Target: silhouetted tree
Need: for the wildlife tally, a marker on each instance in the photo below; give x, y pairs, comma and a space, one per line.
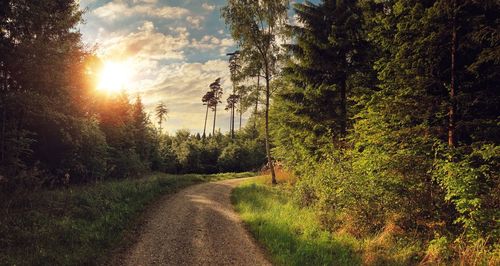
161, 112
207, 99
235, 71
216, 89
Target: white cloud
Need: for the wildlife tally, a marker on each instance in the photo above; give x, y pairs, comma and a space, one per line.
195, 21
208, 6
113, 10
145, 1
208, 42
146, 43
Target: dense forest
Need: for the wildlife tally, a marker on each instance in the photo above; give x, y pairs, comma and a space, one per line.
387, 112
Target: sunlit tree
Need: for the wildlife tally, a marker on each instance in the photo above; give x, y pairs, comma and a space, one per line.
232, 100
256, 25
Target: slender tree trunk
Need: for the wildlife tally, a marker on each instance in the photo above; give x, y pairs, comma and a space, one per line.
205, 126
452, 107
268, 146
215, 116
256, 102
241, 114
231, 122
343, 107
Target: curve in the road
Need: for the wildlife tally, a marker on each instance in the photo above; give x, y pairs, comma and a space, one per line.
196, 226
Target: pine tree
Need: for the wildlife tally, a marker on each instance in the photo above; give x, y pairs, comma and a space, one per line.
207, 100
325, 62
161, 112
216, 90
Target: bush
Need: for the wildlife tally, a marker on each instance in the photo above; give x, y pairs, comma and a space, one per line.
472, 184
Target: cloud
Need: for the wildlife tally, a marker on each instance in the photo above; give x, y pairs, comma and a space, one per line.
145, 1
208, 6
114, 10
147, 43
195, 21
211, 42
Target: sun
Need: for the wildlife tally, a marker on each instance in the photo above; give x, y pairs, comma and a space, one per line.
114, 76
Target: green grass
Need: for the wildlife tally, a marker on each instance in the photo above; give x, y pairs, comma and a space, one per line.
290, 234
81, 225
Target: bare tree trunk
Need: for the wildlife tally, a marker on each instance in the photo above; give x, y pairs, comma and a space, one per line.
241, 113
215, 116
205, 126
452, 107
268, 146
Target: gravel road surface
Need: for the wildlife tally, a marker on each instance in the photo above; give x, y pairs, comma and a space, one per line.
196, 226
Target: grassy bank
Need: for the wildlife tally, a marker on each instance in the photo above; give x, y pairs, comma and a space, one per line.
294, 236
80, 225
290, 234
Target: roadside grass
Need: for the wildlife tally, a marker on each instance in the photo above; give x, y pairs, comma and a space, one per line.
293, 235
290, 234
82, 224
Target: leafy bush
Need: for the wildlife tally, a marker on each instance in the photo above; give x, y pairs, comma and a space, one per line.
472, 185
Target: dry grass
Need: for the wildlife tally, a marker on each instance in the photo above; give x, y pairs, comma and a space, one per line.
384, 248
283, 176
477, 253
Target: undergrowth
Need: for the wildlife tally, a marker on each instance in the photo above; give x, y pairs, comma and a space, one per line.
294, 235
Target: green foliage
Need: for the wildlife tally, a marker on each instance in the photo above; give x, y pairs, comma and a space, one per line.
472, 185
219, 153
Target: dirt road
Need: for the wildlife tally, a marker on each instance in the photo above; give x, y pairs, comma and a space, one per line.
196, 226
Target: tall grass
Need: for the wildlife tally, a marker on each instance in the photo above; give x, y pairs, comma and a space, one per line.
290, 234
80, 225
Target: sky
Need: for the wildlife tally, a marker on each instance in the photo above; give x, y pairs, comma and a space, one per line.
176, 48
